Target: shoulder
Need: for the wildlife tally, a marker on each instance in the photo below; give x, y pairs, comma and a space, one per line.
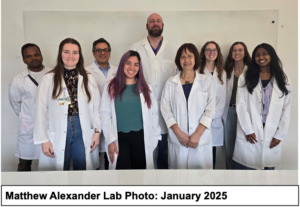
89, 67
137, 44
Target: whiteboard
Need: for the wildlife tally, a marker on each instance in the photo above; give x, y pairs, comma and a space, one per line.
121, 29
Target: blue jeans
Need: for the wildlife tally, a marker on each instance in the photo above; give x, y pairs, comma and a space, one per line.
75, 149
239, 166
162, 158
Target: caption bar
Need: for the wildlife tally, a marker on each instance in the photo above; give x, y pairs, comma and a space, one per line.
149, 195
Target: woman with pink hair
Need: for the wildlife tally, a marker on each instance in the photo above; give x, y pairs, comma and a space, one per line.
130, 117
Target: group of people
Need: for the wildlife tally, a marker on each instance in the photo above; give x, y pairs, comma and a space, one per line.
161, 108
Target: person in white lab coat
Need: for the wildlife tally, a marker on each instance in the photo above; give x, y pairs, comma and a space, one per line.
129, 116
103, 72
237, 61
22, 93
188, 106
157, 55
263, 106
67, 120
211, 64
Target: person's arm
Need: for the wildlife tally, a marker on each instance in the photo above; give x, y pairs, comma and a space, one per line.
242, 111
14, 95
284, 122
206, 118
96, 98
155, 117
107, 124
165, 106
40, 135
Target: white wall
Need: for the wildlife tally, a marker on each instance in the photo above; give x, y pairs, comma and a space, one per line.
13, 37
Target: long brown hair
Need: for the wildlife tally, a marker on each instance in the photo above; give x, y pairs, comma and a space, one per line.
58, 70
218, 60
229, 64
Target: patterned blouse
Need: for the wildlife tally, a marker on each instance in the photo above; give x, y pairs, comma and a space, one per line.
71, 80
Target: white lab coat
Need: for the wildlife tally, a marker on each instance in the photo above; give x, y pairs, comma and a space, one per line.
229, 87
152, 131
51, 122
249, 108
217, 128
101, 81
157, 68
22, 93
200, 108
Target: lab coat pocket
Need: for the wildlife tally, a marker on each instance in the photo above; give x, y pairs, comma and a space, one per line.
274, 115
51, 136
25, 130
167, 65
205, 137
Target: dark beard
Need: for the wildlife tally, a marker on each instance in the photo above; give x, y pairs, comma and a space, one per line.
155, 33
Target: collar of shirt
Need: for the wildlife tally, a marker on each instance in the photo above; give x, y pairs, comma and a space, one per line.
158, 47
105, 72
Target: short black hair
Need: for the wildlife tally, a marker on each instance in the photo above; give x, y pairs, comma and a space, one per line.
192, 48
100, 41
24, 47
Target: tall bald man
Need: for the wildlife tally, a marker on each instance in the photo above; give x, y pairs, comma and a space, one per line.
158, 60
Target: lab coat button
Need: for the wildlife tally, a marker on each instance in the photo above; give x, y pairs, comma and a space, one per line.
64, 131
63, 150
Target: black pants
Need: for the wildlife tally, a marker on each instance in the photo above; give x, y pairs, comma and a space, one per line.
131, 150
24, 165
214, 157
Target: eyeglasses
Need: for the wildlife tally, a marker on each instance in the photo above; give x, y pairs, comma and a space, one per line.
209, 50
102, 50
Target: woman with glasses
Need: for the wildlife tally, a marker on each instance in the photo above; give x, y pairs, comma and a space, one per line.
236, 63
129, 115
263, 106
67, 119
187, 106
211, 65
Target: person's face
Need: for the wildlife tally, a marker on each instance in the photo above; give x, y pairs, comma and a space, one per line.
211, 52
102, 53
238, 52
32, 57
187, 60
262, 57
70, 55
131, 67
155, 25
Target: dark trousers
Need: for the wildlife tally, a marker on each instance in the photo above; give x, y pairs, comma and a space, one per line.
24, 165
214, 157
239, 166
106, 163
162, 158
131, 150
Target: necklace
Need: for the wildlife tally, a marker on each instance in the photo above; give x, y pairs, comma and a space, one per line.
188, 81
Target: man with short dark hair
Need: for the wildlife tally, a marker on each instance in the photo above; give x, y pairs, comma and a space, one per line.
103, 72
22, 93
157, 56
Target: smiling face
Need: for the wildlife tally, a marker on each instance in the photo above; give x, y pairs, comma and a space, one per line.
155, 25
131, 67
211, 52
262, 57
102, 53
238, 53
187, 60
70, 55
32, 58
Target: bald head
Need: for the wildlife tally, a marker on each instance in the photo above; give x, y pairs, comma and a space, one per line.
155, 25
155, 17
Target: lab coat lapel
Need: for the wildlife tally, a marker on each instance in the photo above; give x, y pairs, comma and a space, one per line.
162, 47
178, 87
97, 70
148, 47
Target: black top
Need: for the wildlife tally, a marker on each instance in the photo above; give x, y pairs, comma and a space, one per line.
187, 89
71, 80
265, 83
234, 90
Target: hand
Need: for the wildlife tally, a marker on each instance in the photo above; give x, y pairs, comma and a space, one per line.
112, 149
251, 138
194, 140
95, 141
182, 137
274, 142
48, 149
